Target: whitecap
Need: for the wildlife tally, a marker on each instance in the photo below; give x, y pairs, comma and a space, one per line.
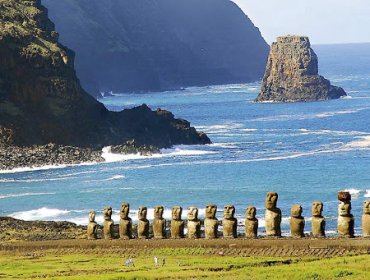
367, 194
362, 142
12, 195
353, 192
43, 213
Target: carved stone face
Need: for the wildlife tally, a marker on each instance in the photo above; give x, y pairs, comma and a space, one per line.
142, 213
344, 208
271, 200
108, 213
125, 210
296, 211
158, 212
229, 211
211, 211
176, 213
367, 207
250, 213
92, 216
192, 213
317, 208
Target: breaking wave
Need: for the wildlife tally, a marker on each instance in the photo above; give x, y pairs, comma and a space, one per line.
12, 195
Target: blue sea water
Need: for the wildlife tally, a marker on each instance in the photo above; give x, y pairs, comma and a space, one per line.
304, 151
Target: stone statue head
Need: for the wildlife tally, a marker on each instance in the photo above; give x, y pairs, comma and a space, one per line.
344, 196
367, 207
142, 213
250, 213
317, 208
125, 210
158, 212
296, 211
211, 210
344, 209
107, 213
176, 213
192, 213
229, 211
92, 216
271, 200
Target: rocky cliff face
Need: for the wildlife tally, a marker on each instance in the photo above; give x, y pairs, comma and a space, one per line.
292, 74
150, 45
41, 100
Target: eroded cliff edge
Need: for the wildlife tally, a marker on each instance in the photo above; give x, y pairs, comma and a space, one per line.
292, 74
154, 45
42, 101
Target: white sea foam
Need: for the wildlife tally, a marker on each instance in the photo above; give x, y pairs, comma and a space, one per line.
221, 128
354, 192
12, 195
334, 113
367, 194
44, 167
112, 178
39, 214
361, 142
35, 180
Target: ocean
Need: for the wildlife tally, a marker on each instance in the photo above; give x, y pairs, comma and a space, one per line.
304, 151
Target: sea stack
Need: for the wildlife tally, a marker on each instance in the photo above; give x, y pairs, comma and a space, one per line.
292, 74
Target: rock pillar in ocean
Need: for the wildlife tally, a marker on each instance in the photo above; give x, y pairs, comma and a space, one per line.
292, 74
125, 225
296, 221
108, 223
211, 222
229, 222
177, 224
92, 227
318, 221
193, 223
366, 219
272, 215
143, 224
251, 222
346, 221
159, 224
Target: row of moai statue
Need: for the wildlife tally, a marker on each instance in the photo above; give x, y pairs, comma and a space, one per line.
229, 223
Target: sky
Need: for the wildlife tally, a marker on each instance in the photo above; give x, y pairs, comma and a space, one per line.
324, 21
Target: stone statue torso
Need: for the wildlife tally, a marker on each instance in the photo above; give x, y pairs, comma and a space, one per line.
92, 230
177, 229
194, 229
108, 229
273, 221
251, 228
143, 229
159, 228
125, 228
229, 228
210, 228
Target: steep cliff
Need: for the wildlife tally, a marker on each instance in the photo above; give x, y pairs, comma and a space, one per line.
141, 45
292, 74
41, 99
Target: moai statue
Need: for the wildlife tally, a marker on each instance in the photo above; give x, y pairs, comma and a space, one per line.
143, 224
159, 224
296, 221
318, 221
211, 222
272, 215
346, 221
251, 222
193, 223
92, 227
125, 225
229, 223
366, 219
108, 223
177, 225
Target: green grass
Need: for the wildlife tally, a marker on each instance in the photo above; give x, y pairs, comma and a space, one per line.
194, 264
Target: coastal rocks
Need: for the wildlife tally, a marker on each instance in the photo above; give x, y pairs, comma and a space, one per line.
318, 221
366, 219
211, 222
92, 227
193, 223
125, 225
229, 223
297, 221
143, 225
42, 101
292, 74
346, 221
272, 215
108, 223
251, 222
177, 224
159, 224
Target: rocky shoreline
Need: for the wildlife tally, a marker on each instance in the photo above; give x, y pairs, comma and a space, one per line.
12, 157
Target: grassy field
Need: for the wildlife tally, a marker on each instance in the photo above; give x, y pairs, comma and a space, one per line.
186, 263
